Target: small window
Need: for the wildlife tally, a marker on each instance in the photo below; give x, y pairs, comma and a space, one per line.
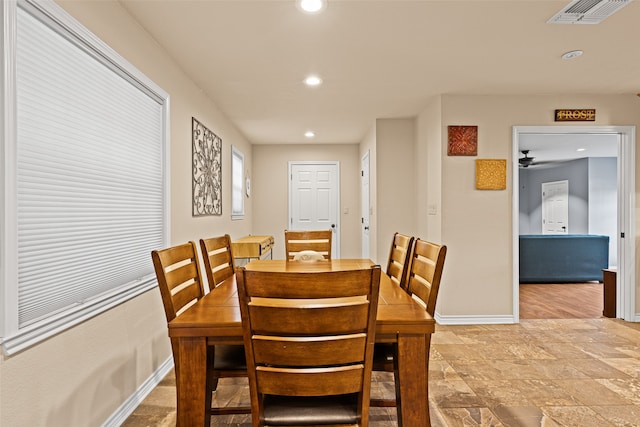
237, 184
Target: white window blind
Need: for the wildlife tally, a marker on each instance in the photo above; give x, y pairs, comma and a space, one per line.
90, 177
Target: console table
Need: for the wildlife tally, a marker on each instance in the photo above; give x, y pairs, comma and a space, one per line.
252, 247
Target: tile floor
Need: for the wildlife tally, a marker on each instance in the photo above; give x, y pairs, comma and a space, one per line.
547, 373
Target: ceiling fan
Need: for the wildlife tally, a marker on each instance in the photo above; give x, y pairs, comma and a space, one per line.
525, 161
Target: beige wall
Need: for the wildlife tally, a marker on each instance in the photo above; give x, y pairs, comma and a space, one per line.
396, 199
270, 187
428, 175
477, 225
81, 376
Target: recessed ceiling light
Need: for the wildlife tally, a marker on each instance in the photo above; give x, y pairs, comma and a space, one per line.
309, 134
313, 81
581, 149
311, 6
572, 54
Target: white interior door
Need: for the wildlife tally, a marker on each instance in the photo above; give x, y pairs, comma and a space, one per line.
364, 206
314, 198
555, 207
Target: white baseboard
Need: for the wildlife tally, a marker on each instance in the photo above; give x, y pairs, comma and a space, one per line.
474, 320
128, 406
486, 320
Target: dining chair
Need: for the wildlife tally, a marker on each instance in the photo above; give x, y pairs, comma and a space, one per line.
423, 283
314, 240
399, 257
309, 341
180, 282
218, 259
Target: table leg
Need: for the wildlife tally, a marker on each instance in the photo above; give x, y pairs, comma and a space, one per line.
412, 400
191, 382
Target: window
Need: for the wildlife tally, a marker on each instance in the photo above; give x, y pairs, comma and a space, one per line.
237, 183
85, 186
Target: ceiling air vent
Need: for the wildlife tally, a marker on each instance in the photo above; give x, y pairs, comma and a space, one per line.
588, 11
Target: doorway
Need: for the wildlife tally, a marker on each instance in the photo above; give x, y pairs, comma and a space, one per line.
314, 198
364, 206
625, 287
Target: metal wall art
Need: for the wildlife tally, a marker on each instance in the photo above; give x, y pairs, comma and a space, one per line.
463, 141
207, 170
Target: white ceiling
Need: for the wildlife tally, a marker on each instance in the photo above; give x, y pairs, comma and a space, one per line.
562, 147
381, 58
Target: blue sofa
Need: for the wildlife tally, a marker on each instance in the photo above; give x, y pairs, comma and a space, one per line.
563, 258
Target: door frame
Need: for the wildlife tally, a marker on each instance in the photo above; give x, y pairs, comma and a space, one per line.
365, 203
336, 235
625, 286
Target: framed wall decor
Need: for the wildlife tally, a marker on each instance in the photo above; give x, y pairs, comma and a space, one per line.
207, 170
491, 174
462, 141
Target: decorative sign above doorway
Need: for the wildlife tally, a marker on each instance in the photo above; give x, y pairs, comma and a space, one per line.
583, 115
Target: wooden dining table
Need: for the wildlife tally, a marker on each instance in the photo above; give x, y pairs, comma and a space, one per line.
215, 319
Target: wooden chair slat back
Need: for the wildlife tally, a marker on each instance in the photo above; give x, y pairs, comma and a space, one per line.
308, 240
179, 277
426, 272
180, 281
298, 285
218, 259
399, 259
309, 334
322, 320
323, 382
326, 352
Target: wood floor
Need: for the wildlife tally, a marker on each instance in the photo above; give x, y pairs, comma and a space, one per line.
561, 301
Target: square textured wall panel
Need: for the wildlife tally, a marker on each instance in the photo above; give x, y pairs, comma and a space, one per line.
491, 174
463, 141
